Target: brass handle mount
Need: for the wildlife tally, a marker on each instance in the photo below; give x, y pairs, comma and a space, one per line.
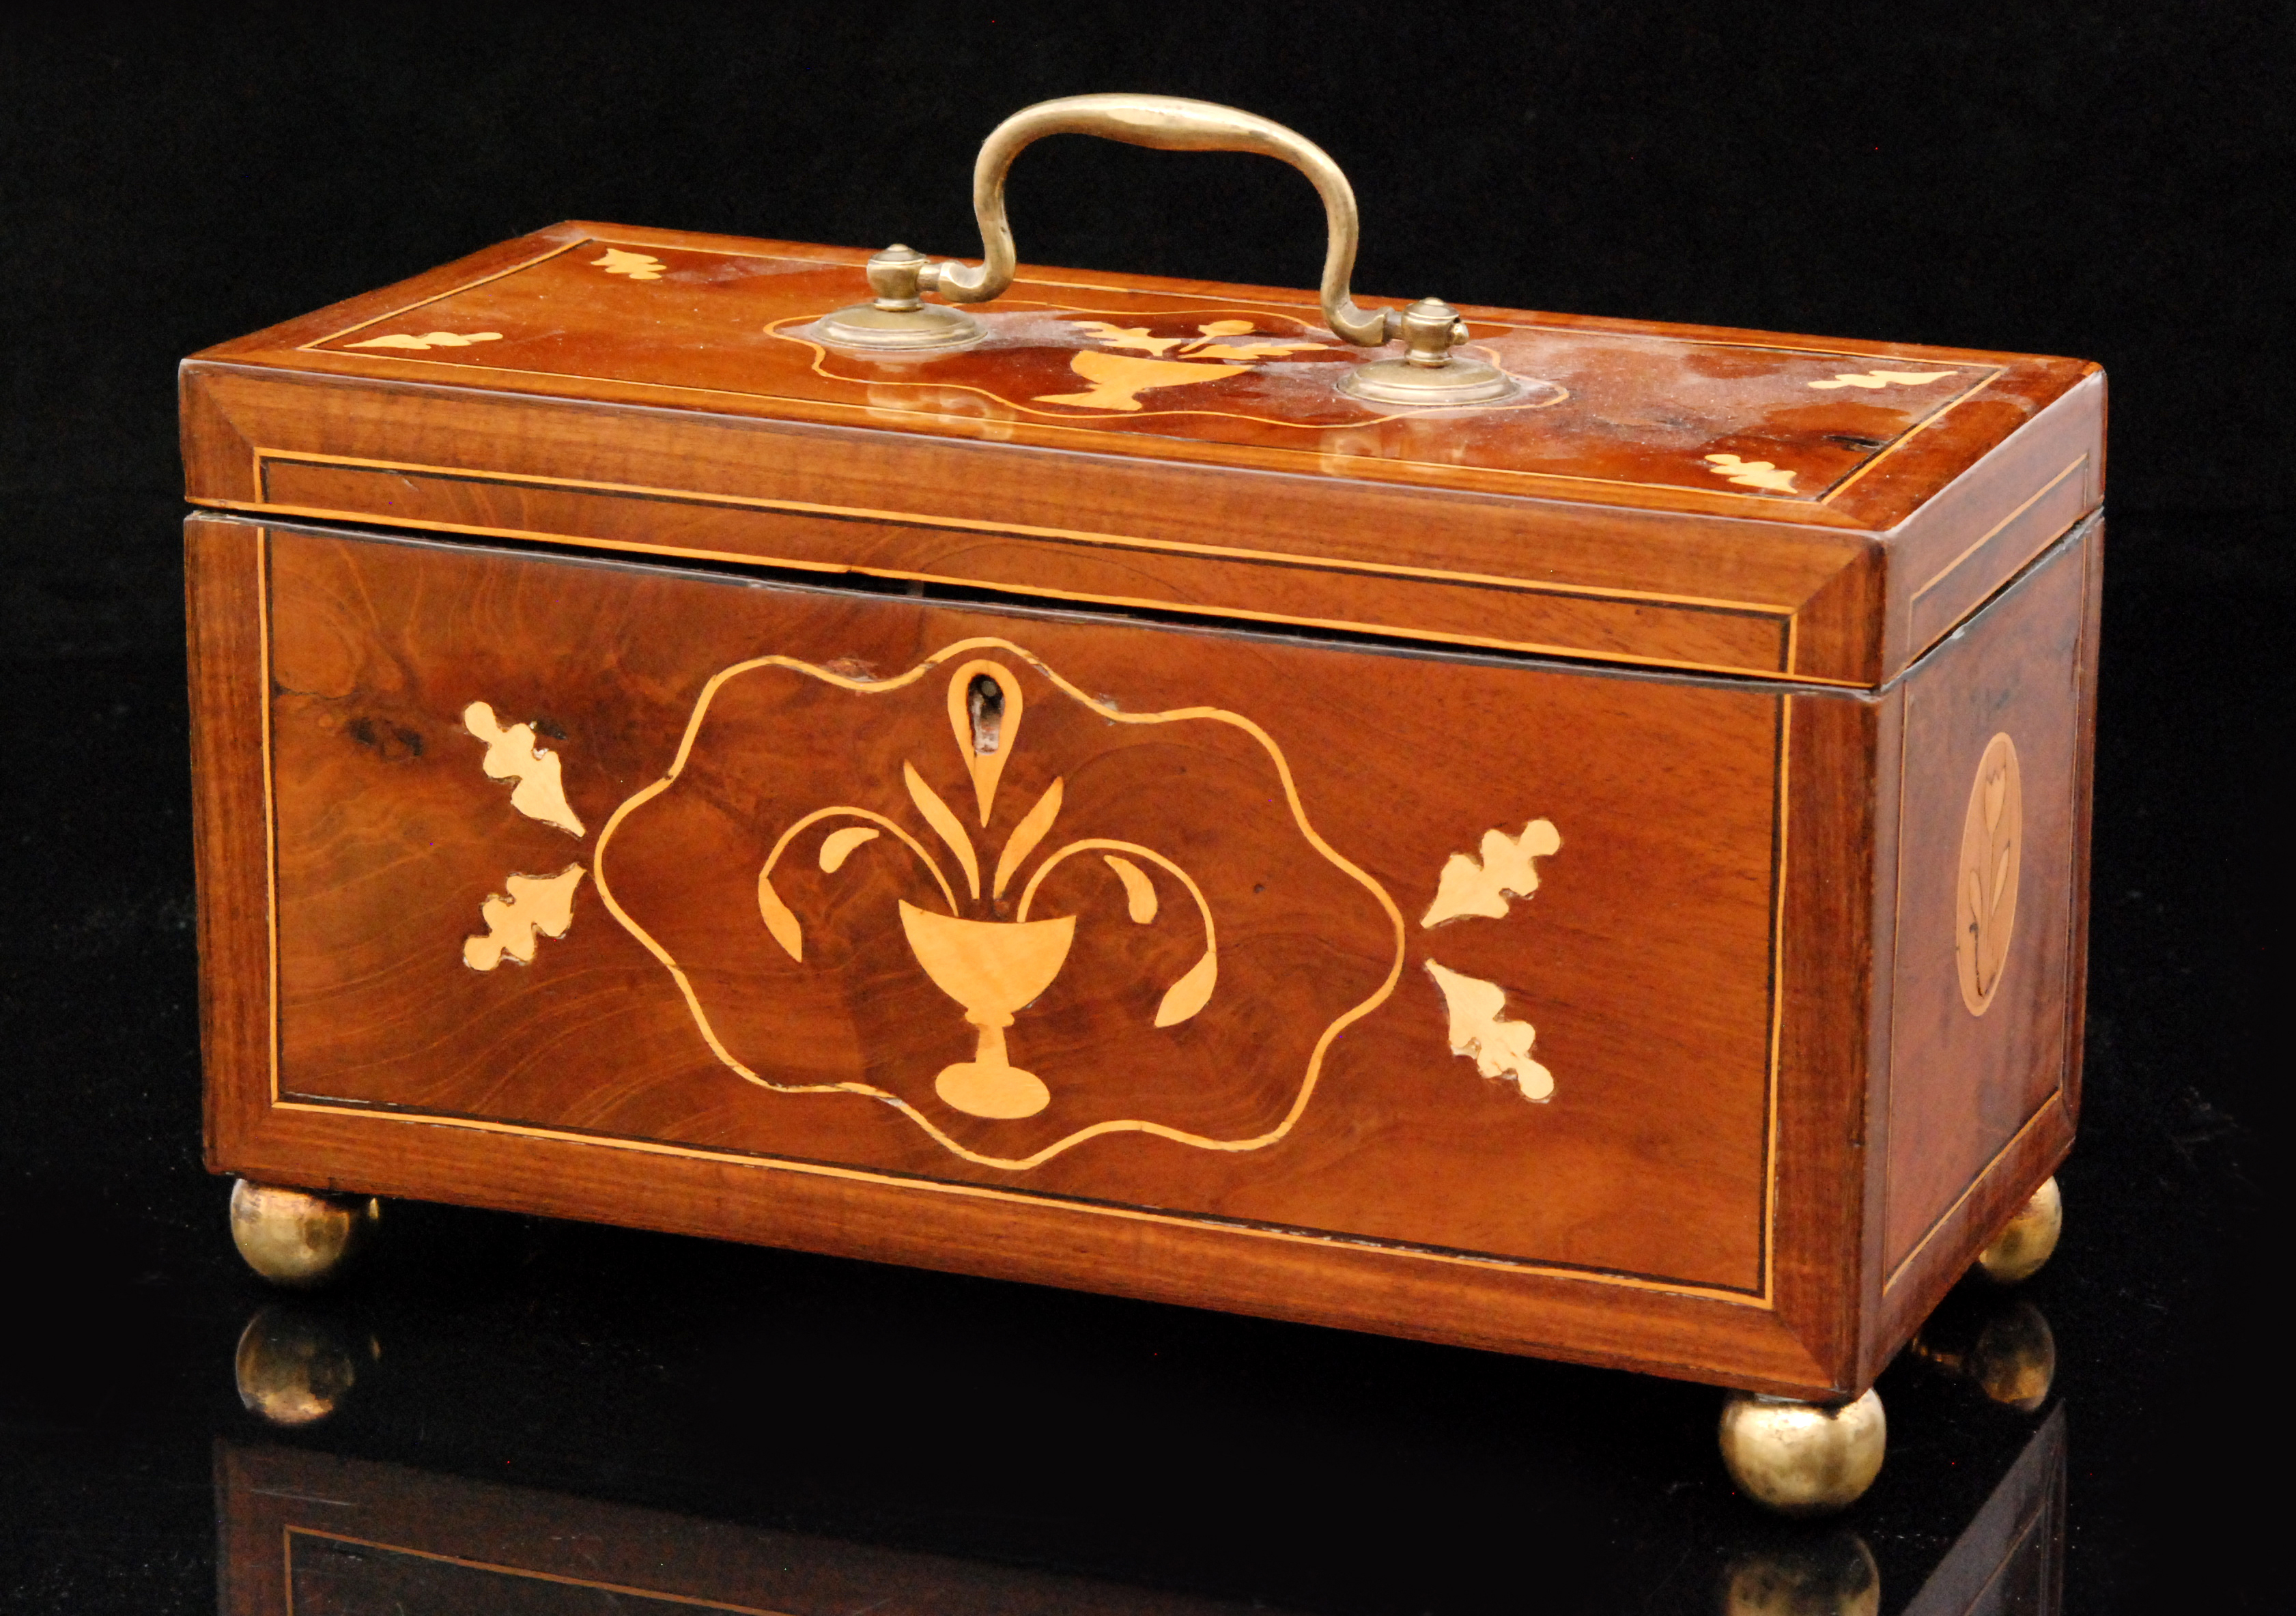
900, 321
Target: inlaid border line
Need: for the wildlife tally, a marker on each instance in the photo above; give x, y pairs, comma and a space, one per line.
1042, 1200
2055, 1098
540, 258
1238, 613
1782, 829
2079, 461
270, 802
1787, 617
972, 524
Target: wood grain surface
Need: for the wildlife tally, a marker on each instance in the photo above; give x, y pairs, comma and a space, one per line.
1780, 506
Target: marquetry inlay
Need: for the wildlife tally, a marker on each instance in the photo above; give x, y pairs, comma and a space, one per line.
1985, 887
512, 754
1750, 473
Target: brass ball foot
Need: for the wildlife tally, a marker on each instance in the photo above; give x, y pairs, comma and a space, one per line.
2018, 1252
295, 1237
294, 1367
1803, 1458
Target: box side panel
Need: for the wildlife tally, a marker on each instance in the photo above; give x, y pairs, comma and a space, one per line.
587, 883
1993, 782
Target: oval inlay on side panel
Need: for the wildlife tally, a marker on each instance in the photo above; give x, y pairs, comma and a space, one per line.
1985, 886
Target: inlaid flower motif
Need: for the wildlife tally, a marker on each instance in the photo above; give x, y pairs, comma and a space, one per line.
1208, 356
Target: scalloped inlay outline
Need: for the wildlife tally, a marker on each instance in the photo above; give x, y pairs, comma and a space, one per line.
1309, 1080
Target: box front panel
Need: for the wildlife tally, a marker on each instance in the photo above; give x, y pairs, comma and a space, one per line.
1454, 959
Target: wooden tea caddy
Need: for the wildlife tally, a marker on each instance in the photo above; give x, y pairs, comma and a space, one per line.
1569, 839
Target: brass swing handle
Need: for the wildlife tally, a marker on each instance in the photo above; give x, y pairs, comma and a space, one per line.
1168, 123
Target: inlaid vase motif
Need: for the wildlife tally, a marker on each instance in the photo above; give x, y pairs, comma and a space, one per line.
1024, 916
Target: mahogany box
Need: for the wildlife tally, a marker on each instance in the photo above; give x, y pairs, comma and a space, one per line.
1598, 873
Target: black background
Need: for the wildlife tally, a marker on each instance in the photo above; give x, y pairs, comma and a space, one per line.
2110, 182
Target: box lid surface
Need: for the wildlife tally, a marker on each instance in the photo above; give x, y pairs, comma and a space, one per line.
1679, 496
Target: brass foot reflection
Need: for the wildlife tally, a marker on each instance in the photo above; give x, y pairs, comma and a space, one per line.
1832, 1575
299, 1238
1803, 1458
294, 1365
2001, 1346
2019, 1250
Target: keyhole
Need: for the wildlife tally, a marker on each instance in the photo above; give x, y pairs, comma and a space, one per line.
984, 699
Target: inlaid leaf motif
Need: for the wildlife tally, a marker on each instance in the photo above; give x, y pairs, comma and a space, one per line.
1498, 1046
1191, 993
781, 920
838, 846
1025, 837
429, 340
1209, 347
1750, 473
1139, 891
638, 266
534, 906
945, 823
1245, 350
1206, 344
1469, 886
511, 754
1882, 378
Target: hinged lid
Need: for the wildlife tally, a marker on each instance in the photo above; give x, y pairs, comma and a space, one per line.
1681, 496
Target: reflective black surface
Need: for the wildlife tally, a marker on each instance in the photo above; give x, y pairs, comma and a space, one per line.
2050, 181
1143, 1449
